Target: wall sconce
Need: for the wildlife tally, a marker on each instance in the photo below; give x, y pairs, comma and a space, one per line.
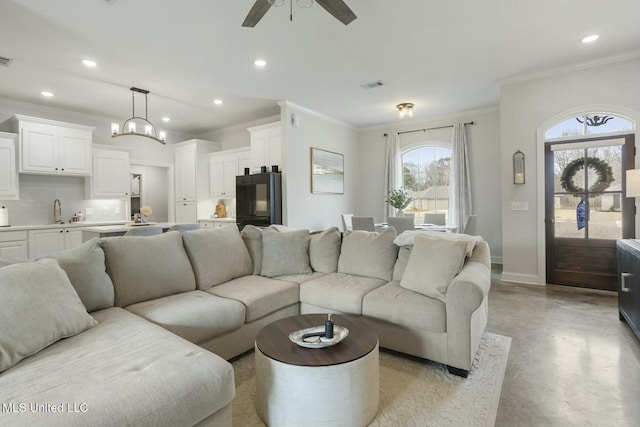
633, 183
518, 167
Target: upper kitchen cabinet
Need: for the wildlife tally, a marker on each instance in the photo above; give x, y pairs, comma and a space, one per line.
224, 166
266, 148
53, 148
110, 178
8, 171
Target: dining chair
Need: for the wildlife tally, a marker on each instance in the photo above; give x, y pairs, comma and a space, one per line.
401, 223
435, 218
363, 223
346, 222
144, 231
184, 227
470, 226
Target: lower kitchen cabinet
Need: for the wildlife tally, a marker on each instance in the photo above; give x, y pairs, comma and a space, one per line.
186, 213
13, 244
628, 254
47, 241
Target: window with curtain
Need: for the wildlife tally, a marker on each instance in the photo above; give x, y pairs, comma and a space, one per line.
425, 176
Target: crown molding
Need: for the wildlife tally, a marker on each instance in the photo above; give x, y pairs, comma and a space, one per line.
289, 104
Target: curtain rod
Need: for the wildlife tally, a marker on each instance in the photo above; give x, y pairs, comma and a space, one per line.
424, 130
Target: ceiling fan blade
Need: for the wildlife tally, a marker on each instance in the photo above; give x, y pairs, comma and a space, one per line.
338, 9
260, 7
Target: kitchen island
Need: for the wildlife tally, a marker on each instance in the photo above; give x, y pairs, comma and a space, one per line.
89, 233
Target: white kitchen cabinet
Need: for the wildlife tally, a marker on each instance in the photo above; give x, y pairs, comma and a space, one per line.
53, 148
266, 146
192, 169
13, 244
50, 240
211, 224
8, 170
224, 166
110, 178
186, 212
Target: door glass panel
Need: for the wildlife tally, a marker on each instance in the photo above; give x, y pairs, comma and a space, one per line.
605, 216
561, 159
565, 218
610, 162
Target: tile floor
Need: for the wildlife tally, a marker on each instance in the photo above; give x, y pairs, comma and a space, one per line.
572, 361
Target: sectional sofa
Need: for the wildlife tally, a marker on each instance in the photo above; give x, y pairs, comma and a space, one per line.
138, 330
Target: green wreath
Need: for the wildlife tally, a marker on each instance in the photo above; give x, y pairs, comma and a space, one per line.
602, 169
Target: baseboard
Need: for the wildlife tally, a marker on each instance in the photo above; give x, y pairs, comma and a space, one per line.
529, 279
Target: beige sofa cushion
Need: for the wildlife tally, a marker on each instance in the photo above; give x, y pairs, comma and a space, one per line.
86, 269
324, 250
127, 371
408, 237
400, 306
38, 306
143, 268
338, 291
285, 252
252, 237
196, 316
260, 295
217, 255
368, 254
433, 265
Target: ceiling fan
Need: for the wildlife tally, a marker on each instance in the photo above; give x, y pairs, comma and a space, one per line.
337, 8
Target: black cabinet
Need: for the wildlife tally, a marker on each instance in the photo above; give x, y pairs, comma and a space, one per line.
628, 254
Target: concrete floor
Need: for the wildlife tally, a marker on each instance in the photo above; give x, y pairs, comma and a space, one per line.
572, 361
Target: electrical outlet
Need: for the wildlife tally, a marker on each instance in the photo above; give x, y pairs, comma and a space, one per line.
105, 210
519, 206
88, 211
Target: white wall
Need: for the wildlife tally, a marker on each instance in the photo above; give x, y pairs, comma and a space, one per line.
301, 208
483, 139
154, 190
525, 107
236, 136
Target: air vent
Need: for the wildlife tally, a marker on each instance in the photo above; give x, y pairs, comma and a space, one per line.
5, 61
372, 85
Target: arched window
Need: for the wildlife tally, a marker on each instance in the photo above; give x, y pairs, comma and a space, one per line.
589, 124
425, 176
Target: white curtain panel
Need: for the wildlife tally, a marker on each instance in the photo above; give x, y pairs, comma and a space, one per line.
392, 171
460, 204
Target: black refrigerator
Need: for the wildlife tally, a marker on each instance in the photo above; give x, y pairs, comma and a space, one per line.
259, 199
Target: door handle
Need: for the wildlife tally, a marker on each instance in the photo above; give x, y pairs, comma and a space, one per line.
623, 280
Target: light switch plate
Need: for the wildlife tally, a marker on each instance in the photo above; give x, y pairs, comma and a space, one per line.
519, 206
88, 211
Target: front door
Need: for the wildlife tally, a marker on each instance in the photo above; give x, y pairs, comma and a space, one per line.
586, 210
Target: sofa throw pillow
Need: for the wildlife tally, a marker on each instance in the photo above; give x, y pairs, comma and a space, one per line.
143, 268
38, 307
217, 255
432, 266
324, 250
252, 238
369, 254
86, 269
285, 252
407, 238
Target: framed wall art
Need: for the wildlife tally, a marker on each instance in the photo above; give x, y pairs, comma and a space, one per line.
327, 172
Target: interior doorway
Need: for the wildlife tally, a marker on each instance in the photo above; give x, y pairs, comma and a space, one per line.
152, 185
586, 210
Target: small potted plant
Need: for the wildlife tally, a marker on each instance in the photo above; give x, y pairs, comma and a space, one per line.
399, 199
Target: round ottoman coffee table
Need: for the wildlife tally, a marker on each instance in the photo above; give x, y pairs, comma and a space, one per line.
332, 386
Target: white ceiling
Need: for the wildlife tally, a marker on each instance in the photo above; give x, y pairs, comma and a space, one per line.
444, 56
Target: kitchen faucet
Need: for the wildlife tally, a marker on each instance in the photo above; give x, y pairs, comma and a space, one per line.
57, 212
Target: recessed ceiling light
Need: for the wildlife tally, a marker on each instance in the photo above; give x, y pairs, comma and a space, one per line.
46, 94
89, 63
260, 62
218, 101
591, 38
166, 119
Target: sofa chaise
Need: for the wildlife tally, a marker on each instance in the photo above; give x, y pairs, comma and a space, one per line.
138, 330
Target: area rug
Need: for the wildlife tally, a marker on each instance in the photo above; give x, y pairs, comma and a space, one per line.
413, 392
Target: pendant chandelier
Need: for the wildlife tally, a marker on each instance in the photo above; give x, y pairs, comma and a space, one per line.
130, 126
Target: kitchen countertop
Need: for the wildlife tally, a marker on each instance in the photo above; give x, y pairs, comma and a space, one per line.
217, 219
71, 224
123, 227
